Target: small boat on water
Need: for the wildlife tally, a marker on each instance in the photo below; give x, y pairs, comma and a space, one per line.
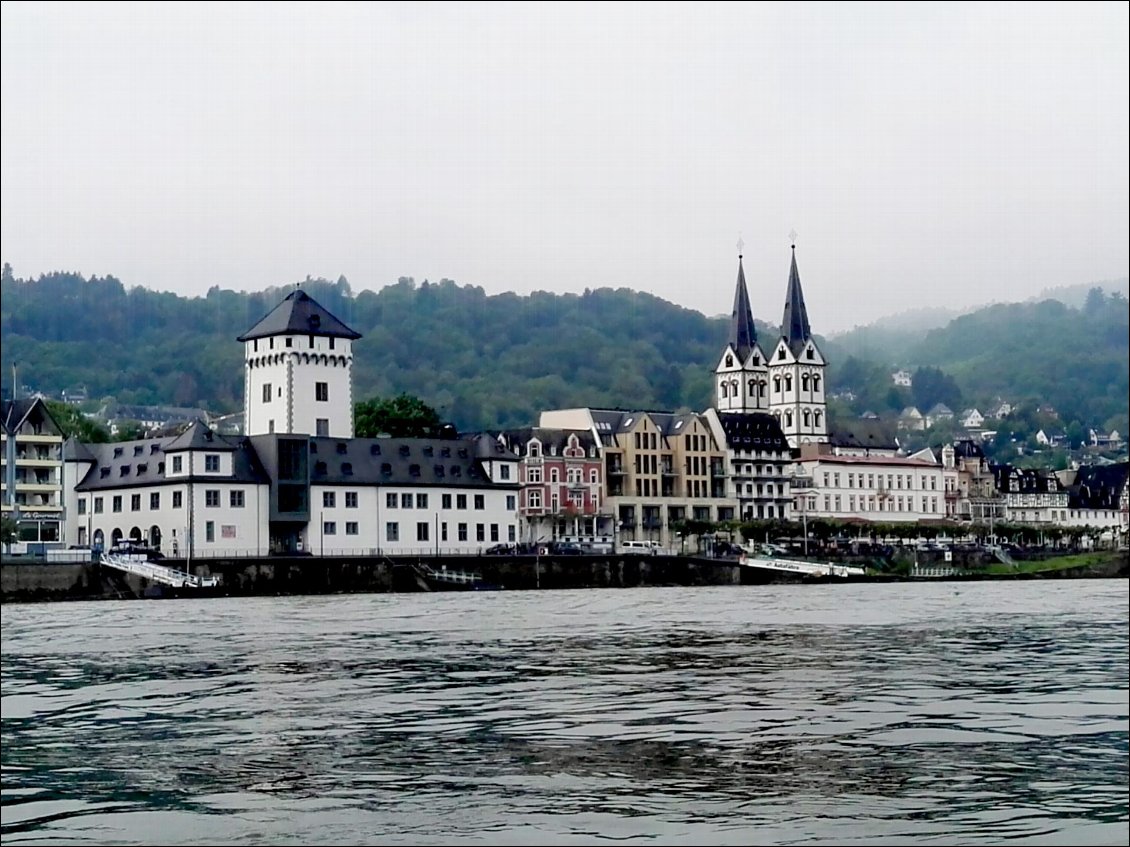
444, 578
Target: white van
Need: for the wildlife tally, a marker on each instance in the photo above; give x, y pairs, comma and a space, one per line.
646, 548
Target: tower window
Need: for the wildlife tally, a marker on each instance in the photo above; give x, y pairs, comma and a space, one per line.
322, 392
810, 353
322, 426
781, 353
266, 392
290, 342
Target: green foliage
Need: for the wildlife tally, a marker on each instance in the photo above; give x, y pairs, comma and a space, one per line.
403, 416
9, 531
495, 361
74, 424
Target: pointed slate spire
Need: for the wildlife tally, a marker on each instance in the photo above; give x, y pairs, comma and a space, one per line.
794, 325
743, 334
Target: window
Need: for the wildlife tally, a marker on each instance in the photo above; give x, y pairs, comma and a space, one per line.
446, 501
178, 499
511, 502
97, 505
177, 465
462, 530
554, 475
390, 500
443, 531
480, 532
155, 500
289, 342
329, 499
235, 499
322, 392
331, 340
322, 425
211, 463
266, 392
350, 501
460, 501
212, 497
494, 532
406, 501
351, 528
210, 531
422, 531
504, 471
392, 531
533, 499
82, 505
117, 503
329, 528
480, 501
533, 474
421, 501
510, 533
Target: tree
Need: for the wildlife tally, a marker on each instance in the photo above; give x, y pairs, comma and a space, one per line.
75, 424
8, 532
403, 416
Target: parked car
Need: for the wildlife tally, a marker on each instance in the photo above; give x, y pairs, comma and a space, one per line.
499, 550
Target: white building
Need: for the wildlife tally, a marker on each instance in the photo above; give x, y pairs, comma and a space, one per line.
31, 469
902, 378
875, 488
285, 488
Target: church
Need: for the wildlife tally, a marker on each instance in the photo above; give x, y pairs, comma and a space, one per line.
297, 480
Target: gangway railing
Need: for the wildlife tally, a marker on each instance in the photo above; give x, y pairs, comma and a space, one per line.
457, 577
136, 564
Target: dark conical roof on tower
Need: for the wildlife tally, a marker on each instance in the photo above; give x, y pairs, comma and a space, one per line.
794, 325
299, 314
743, 334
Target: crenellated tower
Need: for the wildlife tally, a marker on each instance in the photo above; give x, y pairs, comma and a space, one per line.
298, 364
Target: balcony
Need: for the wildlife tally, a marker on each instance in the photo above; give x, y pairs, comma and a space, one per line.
37, 462
718, 469
37, 487
38, 438
669, 470
616, 470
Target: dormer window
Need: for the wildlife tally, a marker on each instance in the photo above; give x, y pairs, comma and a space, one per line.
456, 470
347, 469
124, 471
374, 449
341, 448
429, 450
405, 450
138, 449
117, 452
320, 468
386, 469
535, 448
153, 448
103, 473
445, 452
439, 471
414, 470
142, 468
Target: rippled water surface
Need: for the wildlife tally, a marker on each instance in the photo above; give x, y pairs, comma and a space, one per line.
939, 713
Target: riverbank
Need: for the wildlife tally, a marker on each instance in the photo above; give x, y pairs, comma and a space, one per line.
38, 581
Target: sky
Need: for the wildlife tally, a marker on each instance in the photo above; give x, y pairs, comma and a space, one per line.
924, 154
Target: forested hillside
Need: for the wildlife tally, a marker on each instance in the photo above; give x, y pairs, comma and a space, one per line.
497, 360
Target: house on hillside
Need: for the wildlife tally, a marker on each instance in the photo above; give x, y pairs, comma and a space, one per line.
938, 412
972, 419
911, 418
902, 378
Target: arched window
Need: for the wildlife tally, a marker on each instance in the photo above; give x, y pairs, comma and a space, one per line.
816, 417
777, 384
733, 388
725, 390
761, 388
788, 419
729, 361
804, 382
816, 382
753, 388
788, 382
807, 418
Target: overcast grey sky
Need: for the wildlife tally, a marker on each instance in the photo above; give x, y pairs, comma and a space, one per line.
927, 154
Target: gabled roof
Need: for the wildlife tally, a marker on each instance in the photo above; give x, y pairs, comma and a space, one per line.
197, 436
75, 451
299, 314
519, 439
14, 412
1098, 486
743, 333
794, 325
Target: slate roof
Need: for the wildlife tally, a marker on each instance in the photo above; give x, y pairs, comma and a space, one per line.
75, 451
869, 433
754, 431
14, 412
518, 439
299, 314
418, 462
129, 464
1098, 486
968, 449
743, 333
197, 436
609, 422
1010, 480
795, 328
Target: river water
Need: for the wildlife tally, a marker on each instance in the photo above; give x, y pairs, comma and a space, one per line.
946, 713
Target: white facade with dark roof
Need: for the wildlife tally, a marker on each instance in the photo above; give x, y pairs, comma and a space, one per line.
796, 372
741, 379
298, 371
31, 469
284, 489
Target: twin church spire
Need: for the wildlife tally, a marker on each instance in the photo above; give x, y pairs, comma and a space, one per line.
788, 382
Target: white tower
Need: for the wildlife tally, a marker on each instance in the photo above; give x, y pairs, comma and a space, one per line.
298, 363
796, 373
741, 380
